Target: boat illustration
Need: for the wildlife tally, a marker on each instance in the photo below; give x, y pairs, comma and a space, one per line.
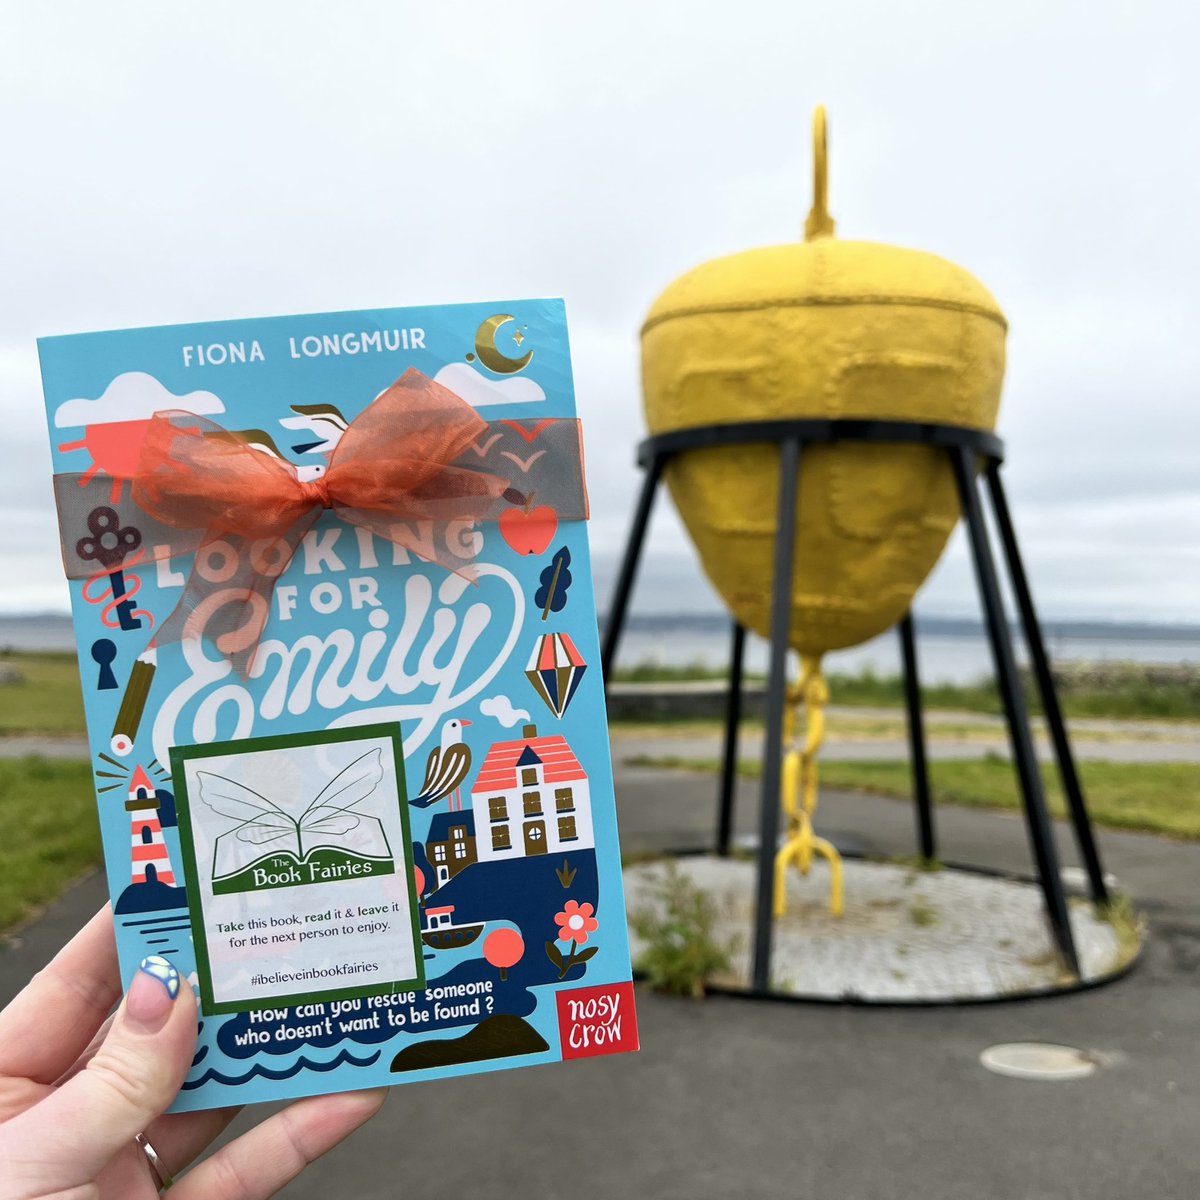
440, 933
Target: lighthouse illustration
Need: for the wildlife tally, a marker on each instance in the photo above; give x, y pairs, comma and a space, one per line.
151, 861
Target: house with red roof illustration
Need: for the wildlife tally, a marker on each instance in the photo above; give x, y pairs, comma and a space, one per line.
148, 847
531, 797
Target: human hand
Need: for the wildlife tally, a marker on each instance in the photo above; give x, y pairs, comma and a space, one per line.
77, 1089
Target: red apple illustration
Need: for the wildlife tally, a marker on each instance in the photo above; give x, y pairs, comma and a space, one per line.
529, 531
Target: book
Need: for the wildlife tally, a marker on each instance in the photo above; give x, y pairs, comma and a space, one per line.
330, 583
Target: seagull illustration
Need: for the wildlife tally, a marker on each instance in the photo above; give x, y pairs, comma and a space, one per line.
446, 768
324, 421
264, 443
256, 439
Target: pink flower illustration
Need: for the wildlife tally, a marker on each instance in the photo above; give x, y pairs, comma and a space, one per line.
575, 922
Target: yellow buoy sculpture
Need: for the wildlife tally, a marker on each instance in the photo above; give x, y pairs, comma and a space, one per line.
823, 328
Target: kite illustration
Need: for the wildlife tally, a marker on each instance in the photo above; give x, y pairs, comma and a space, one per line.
555, 669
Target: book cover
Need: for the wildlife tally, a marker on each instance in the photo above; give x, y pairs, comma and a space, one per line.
331, 589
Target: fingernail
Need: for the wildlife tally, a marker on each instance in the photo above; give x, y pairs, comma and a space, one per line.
151, 993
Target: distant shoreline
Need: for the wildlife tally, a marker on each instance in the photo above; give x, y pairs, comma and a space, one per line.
1117, 631
52, 631
950, 651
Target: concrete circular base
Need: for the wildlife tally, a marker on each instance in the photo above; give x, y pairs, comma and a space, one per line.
907, 935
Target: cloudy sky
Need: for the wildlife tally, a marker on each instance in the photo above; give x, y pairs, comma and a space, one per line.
174, 163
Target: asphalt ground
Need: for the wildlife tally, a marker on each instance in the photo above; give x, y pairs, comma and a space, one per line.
763, 1099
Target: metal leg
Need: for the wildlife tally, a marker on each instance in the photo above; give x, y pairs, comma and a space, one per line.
733, 718
926, 838
781, 614
629, 565
1045, 681
1037, 819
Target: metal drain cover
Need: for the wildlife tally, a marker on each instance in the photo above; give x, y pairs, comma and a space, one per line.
1038, 1060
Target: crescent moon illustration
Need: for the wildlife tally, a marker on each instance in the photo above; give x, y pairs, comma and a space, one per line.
485, 348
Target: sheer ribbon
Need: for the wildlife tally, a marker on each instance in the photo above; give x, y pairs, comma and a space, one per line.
394, 472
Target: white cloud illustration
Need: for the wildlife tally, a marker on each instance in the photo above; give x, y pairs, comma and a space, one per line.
501, 707
133, 396
480, 392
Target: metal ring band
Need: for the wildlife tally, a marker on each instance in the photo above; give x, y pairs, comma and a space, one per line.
158, 1168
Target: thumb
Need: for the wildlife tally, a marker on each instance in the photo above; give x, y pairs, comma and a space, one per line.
67, 1139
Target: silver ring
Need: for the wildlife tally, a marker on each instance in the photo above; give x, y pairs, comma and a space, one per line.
158, 1168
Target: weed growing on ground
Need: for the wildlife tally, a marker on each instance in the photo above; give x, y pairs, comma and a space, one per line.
1126, 923
681, 948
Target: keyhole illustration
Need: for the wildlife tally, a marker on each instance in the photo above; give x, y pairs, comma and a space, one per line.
104, 650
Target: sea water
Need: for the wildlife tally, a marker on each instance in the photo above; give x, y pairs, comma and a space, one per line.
958, 656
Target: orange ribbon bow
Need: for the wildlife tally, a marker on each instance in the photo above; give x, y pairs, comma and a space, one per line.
394, 466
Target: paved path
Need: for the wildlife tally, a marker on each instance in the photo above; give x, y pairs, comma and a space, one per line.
48, 747
776, 1100
1160, 744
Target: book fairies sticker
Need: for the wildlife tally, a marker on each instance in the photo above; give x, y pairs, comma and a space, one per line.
274, 843
299, 867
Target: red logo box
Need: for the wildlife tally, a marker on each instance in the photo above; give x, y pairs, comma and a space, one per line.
597, 1020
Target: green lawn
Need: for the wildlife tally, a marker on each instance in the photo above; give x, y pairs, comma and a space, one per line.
1120, 690
48, 832
1126, 690
1162, 798
48, 699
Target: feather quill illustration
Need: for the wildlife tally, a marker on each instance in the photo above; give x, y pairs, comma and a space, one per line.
556, 579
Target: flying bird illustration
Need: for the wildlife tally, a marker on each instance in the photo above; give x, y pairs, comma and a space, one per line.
323, 421
446, 768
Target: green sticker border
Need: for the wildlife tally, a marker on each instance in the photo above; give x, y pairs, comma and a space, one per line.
181, 755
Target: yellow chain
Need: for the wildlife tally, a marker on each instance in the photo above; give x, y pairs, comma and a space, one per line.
799, 798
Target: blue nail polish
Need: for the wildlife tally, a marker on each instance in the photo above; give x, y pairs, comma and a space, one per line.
161, 969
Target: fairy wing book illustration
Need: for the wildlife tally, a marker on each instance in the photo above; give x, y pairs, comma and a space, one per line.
268, 831
324, 571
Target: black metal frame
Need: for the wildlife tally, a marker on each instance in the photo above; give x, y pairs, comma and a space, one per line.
963, 447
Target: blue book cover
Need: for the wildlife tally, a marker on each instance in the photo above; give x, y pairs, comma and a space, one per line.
331, 589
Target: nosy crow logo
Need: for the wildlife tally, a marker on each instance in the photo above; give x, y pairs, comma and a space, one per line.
597, 1020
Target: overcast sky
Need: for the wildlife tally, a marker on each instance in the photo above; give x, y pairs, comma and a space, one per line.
174, 163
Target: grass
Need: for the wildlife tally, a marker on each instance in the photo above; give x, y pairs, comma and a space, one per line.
1120, 693
652, 672
48, 832
1162, 798
47, 700
1128, 925
1120, 690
